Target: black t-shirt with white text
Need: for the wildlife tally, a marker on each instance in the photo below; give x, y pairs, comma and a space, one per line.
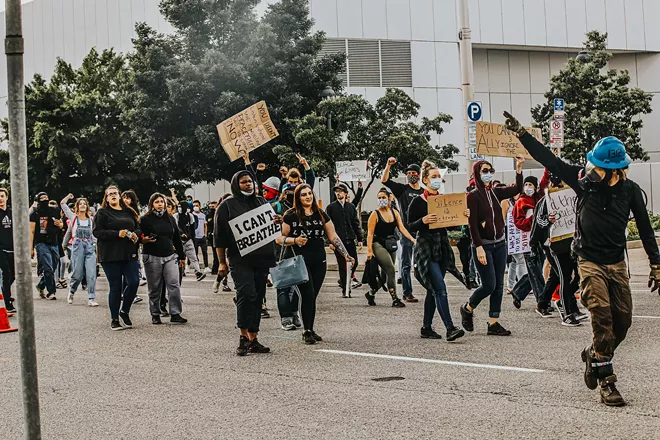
405, 194
45, 230
313, 227
6, 231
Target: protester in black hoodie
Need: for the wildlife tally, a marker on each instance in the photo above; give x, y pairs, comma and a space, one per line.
249, 272
489, 242
6, 250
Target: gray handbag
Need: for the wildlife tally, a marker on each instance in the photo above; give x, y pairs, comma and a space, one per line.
289, 272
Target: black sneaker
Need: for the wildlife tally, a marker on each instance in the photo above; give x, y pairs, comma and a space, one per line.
257, 347
497, 330
571, 321
155, 319
200, 276
543, 312
127, 321
397, 303
264, 313
467, 318
472, 284
243, 346
429, 333
308, 338
516, 301
163, 312
316, 337
355, 284
454, 333
178, 320
226, 288
581, 316
399, 281
371, 299
115, 325
10, 307
51, 296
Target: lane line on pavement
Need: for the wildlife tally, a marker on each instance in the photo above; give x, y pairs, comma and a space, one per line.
646, 317
283, 337
190, 297
433, 361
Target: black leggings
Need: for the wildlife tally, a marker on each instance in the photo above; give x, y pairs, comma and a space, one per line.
309, 291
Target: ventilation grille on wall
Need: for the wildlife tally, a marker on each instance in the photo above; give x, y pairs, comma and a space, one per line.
373, 63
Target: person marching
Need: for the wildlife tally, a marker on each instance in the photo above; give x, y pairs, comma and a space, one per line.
345, 217
489, 242
131, 200
405, 193
83, 249
305, 226
433, 256
7, 274
605, 198
200, 242
45, 224
249, 271
117, 231
162, 255
382, 244
186, 222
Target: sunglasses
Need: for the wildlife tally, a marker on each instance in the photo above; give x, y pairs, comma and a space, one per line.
488, 171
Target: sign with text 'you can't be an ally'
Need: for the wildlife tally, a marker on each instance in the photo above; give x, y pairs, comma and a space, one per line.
255, 229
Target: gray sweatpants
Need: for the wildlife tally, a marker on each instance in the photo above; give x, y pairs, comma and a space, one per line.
159, 270
189, 250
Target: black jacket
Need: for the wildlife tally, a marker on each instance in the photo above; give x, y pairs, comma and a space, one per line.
168, 238
107, 224
602, 211
346, 221
233, 207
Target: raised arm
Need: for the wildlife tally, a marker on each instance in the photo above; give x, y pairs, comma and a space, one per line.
65, 207
358, 195
386, 172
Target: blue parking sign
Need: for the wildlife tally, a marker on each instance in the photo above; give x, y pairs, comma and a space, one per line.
474, 112
559, 105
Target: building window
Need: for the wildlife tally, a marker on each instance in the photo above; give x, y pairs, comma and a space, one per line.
373, 63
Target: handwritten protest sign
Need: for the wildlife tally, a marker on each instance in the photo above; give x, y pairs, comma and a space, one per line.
450, 210
563, 203
246, 131
255, 229
518, 240
496, 140
353, 170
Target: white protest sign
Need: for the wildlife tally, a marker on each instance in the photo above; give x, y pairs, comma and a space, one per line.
563, 204
518, 241
255, 229
353, 170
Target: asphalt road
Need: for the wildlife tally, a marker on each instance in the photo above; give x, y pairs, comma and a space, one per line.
185, 381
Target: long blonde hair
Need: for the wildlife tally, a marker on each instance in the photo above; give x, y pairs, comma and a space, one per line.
88, 211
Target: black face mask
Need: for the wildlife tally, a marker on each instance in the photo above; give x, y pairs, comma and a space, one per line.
590, 181
289, 199
43, 205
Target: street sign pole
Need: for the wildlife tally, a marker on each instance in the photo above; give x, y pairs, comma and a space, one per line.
467, 71
557, 125
14, 48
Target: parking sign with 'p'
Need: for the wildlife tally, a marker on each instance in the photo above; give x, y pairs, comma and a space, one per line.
474, 112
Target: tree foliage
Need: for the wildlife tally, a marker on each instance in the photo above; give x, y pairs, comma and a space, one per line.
76, 141
599, 103
221, 60
362, 131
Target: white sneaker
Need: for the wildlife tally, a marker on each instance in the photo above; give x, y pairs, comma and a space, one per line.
69, 298
216, 286
207, 270
92, 303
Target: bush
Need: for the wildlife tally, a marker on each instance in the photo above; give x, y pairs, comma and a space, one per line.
633, 232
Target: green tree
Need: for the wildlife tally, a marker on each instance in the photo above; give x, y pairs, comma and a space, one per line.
76, 141
220, 60
599, 103
362, 131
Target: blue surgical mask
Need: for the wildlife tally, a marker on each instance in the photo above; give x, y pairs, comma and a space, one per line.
487, 178
435, 183
383, 203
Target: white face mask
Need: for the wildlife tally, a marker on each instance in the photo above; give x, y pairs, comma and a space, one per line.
196, 209
383, 203
435, 183
529, 191
247, 194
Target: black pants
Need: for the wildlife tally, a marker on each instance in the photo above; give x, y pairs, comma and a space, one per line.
250, 285
310, 291
216, 262
202, 243
341, 262
8, 274
465, 253
565, 275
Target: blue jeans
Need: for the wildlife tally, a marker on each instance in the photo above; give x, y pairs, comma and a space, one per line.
287, 302
48, 256
116, 272
533, 280
83, 266
406, 265
437, 298
492, 278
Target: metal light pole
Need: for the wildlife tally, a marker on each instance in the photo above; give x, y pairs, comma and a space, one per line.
467, 71
328, 93
14, 48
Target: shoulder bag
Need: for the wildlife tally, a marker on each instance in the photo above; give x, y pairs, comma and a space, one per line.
289, 272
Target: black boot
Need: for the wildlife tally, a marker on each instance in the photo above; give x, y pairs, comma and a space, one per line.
609, 395
591, 369
371, 298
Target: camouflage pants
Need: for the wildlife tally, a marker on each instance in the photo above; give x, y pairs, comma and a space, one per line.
606, 293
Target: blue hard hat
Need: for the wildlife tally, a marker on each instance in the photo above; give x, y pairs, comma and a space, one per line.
609, 153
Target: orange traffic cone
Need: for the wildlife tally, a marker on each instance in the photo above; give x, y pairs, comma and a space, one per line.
4, 320
555, 295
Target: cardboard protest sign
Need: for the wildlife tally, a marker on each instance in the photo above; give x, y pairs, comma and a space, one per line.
246, 131
496, 140
518, 241
563, 203
353, 170
255, 229
449, 209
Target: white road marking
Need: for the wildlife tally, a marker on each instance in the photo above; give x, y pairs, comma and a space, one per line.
190, 297
434, 361
646, 317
